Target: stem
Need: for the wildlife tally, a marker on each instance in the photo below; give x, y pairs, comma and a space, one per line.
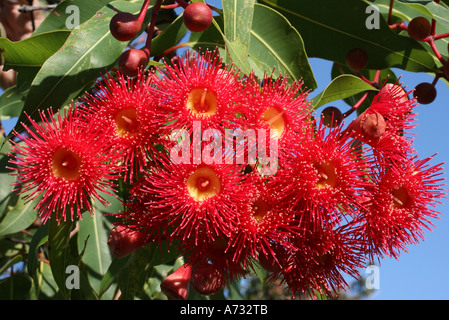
431, 41
441, 36
170, 6
432, 32
355, 107
399, 25
163, 54
435, 80
143, 11
154, 15
390, 11
182, 3
340, 68
376, 76
373, 83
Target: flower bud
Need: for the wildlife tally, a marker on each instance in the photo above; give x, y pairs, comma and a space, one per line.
123, 241
369, 126
207, 279
176, 285
331, 116
131, 61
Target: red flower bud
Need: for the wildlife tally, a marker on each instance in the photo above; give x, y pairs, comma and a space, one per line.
123, 241
176, 285
207, 279
369, 127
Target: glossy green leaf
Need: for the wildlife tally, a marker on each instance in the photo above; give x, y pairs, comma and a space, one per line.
331, 28
32, 51
11, 102
40, 238
386, 75
112, 274
341, 87
59, 252
133, 277
19, 216
67, 13
97, 256
275, 44
237, 14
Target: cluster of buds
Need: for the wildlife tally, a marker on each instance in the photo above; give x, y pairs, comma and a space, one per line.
125, 26
235, 171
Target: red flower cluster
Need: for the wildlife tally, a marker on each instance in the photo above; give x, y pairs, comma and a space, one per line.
235, 171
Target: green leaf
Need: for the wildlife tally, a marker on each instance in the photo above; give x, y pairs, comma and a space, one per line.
57, 19
59, 252
112, 274
78, 63
133, 277
276, 44
236, 33
32, 51
386, 75
19, 216
11, 262
11, 102
331, 28
97, 256
341, 87
237, 55
39, 239
234, 291
237, 14
16, 287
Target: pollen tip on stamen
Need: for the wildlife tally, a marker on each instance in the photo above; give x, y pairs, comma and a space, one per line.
127, 120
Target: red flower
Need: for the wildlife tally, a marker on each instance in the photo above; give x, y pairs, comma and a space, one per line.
385, 124
281, 106
264, 225
123, 110
65, 163
326, 179
197, 88
194, 198
401, 205
324, 255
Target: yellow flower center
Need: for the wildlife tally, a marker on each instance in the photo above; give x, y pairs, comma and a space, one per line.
202, 102
66, 164
327, 175
203, 184
126, 121
275, 119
